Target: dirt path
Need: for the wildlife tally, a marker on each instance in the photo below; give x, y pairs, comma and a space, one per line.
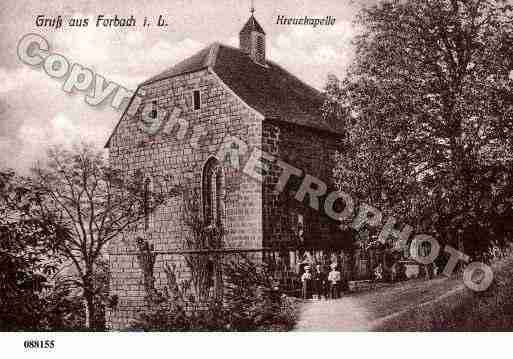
364, 311
333, 315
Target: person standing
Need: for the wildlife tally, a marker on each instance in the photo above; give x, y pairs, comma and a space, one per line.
315, 283
306, 280
320, 281
334, 281
378, 273
394, 272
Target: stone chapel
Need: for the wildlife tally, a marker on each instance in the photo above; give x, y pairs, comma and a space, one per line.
220, 91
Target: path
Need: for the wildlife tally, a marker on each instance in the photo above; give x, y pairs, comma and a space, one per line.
364, 311
333, 315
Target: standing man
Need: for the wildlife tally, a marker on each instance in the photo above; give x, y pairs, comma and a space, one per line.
334, 281
321, 279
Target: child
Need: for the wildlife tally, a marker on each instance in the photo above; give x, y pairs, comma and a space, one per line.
306, 279
334, 281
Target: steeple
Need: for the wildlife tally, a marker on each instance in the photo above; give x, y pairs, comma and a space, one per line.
252, 39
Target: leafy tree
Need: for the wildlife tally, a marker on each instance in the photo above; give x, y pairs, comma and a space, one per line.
97, 203
28, 255
428, 111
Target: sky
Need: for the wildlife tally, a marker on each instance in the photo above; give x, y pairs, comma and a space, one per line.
36, 113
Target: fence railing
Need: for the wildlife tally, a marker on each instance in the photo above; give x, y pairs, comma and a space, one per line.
286, 264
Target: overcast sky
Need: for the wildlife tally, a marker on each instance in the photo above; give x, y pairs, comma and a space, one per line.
35, 112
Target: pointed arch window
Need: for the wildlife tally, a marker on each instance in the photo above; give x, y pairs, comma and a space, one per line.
213, 192
146, 202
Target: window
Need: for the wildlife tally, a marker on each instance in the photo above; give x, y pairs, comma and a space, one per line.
213, 192
298, 222
153, 112
146, 200
213, 198
300, 225
214, 277
211, 273
196, 99
260, 49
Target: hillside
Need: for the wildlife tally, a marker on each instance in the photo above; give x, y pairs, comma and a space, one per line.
440, 304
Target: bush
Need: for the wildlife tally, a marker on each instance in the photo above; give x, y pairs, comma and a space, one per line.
254, 301
463, 309
250, 302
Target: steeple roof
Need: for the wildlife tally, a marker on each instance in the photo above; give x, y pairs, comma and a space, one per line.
252, 25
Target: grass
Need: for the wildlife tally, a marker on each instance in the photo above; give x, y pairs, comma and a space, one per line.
461, 309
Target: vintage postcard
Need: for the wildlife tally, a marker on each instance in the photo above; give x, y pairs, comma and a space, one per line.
255, 166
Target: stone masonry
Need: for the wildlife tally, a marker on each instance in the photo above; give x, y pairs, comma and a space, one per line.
263, 106
133, 150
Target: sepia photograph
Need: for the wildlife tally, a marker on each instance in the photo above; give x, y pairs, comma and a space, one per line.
314, 168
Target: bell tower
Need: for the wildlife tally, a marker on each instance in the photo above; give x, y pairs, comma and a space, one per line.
252, 39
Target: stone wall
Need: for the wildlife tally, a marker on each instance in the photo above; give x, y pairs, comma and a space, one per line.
181, 162
312, 152
254, 214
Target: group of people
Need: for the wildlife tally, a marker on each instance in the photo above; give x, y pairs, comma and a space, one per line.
318, 283
398, 271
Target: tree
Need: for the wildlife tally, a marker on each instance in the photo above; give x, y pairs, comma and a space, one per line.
97, 204
428, 111
28, 256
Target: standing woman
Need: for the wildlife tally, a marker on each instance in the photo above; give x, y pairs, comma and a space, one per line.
306, 279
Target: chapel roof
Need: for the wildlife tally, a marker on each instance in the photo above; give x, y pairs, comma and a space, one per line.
271, 90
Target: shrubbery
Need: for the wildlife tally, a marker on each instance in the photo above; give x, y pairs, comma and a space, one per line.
464, 309
250, 302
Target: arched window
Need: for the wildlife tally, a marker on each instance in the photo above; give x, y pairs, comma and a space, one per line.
213, 192
147, 202
153, 112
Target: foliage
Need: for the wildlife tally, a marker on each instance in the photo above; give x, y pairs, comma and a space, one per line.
429, 118
250, 302
464, 309
96, 203
253, 301
38, 289
200, 236
64, 309
216, 293
176, 308
28, 256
